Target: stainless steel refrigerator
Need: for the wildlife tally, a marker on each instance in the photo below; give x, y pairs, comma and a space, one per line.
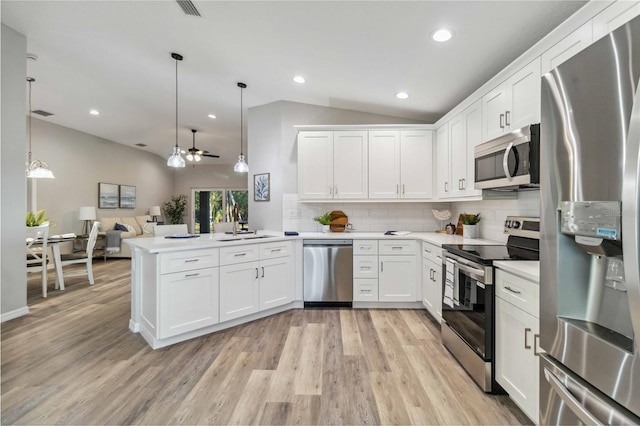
590, 242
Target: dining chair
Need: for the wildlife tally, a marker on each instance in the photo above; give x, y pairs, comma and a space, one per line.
164, 230
86, 256
37, 252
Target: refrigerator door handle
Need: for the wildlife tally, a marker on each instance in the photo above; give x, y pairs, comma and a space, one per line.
572, 403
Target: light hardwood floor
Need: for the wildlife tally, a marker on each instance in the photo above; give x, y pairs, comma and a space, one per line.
73, 360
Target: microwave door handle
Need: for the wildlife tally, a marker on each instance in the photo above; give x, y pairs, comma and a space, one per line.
505, 161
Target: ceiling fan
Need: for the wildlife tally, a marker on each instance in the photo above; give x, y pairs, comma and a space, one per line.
195, 154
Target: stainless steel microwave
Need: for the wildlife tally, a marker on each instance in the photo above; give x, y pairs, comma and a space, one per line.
511, 161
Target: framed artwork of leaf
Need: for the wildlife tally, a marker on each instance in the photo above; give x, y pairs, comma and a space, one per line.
261, 187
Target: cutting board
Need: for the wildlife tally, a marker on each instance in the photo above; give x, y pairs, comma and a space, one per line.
338, 221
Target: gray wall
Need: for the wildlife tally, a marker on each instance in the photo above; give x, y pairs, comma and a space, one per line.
12, 173
272, 149
209, 176
79, 161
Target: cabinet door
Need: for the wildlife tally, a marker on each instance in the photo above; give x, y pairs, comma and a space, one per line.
384, 164
427, 281
365, 290
365, 266
614, 16
239, 290
566, 48
473, 134
437, 290
315, 165
188, 301
516, 366
350, 165
442, 162
276, 282
416, 164
524, 90
397, 279
494, 105
458, 152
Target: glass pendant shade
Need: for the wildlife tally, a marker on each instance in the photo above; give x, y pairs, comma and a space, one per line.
176, 159
241, 166
39, 170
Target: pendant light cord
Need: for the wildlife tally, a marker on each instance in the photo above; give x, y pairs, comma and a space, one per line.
241, 120
30, 80
176, 103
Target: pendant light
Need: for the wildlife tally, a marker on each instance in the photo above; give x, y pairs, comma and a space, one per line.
176, 160
241, 166
36, 169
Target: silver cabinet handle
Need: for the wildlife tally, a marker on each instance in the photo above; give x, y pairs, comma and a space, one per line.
502, 121
403, 189
463, 183
191, 260
446, 187
363, 290
573, 404
191, 275
526, 344
381, 266
397, 189
240, 254
275, 250
459, 184
428, 251
331, 190
431, 271
256, 273
535, 344
262, 271
336, 191
512, 290
506, 118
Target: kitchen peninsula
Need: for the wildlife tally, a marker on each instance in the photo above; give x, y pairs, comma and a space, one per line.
185, 288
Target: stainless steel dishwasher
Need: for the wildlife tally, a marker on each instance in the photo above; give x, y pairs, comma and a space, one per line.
328, 272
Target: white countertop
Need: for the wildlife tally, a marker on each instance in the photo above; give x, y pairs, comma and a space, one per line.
529, 269
161, 244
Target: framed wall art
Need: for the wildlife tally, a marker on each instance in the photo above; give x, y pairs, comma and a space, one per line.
107, 195
127, 197
261, 187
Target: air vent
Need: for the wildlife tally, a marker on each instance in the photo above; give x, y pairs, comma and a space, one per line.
188, 7
42, 113
141, 144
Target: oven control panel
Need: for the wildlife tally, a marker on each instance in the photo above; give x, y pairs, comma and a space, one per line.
522, 226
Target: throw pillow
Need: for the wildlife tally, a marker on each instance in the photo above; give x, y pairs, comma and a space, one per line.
147, 228
130, 228
120, 227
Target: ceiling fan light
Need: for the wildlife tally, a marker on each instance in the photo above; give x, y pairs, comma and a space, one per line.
39, 170
197, 157
190, 157
241, 166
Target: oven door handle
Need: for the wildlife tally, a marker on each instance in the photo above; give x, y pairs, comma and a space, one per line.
464, 264
469, 269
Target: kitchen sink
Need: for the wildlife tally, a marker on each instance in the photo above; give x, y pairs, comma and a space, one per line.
248, 237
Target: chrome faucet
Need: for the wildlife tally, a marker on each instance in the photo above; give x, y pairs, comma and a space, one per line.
235, 219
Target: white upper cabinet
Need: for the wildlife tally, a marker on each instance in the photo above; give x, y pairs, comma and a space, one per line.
513, 104
442, 162
614, 16
567, 47
332, 165
400, 164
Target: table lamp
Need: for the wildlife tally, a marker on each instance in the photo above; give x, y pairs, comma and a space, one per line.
154, 211
87, 214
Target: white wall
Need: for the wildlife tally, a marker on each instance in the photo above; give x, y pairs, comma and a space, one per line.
12, 174
272, 148
209, 176
80, 161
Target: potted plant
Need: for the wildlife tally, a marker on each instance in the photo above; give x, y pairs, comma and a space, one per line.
175, 209
324, 220
469, 225
36, 218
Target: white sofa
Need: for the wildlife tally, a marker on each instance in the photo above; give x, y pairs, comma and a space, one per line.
141, 225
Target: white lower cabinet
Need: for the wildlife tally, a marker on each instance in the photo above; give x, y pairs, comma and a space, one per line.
397, 278
188, 301
517, 361
365, 289
432, 288
250, 287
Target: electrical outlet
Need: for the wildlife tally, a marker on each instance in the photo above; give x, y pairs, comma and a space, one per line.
295, 214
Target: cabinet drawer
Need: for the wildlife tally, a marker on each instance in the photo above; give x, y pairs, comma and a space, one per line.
432, 252
365, 247
238, 254
277, 249
365, 266
518, 291
365, 290
401, 247
188, 260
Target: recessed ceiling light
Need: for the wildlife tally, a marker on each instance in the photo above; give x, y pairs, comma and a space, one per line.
299, 79
402, 95
94, 112
442, 35
211, 116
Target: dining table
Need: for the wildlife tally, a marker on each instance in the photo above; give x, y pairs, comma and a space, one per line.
54, 242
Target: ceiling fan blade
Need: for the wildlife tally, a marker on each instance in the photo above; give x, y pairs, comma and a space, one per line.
210, 155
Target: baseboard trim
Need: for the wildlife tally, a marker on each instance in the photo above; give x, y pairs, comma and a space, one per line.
14, 314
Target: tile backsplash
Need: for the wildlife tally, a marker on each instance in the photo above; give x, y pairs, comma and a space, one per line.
379, 217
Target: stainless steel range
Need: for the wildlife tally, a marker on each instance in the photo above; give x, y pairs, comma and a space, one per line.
467, 302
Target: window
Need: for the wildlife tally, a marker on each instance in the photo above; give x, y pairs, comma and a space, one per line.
211, 206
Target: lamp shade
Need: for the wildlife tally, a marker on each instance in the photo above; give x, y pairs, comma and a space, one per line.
87, 213
154, 211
